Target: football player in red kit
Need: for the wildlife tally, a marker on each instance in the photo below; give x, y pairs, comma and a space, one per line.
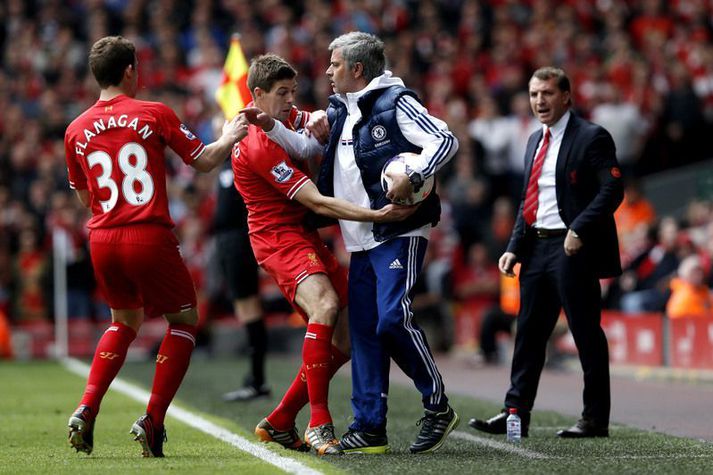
116, 163
278, 194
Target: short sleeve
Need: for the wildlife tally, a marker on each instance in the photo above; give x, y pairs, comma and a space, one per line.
178, 137
271, 162
75, 173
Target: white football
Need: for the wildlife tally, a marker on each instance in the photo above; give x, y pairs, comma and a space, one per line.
398, 165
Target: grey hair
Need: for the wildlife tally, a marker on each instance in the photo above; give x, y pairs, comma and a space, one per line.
364, 48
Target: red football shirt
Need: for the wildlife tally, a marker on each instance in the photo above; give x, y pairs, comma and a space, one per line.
115, 149
268, 179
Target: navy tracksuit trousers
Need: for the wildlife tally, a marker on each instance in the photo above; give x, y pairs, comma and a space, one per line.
382, 327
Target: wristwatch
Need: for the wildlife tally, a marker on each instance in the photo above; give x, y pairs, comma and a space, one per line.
415, 178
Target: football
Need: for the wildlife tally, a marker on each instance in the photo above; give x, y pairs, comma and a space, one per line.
398, 164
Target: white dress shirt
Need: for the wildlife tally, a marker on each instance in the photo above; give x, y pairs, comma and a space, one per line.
548, 216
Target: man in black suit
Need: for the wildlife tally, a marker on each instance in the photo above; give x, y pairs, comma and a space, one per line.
565, 240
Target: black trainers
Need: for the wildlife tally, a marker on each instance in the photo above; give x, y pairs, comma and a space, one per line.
359, 442
150, 436
435, 427
81, 430
288, 438
247, 393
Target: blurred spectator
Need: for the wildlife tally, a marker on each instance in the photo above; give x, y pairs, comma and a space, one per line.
690, 296
633, 217
645, 281
682, 120
475, 276
501, 225
31, 275
475, 288
80, 275
492, 131
521, 124
6, 272
468, 196
623, 120
500, 319
5, 336
707, 253
467, 59
652, 21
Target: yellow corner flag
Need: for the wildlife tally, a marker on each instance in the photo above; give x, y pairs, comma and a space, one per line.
233, 93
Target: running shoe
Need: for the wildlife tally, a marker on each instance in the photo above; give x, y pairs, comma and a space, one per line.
322, 439
435, 427
360, 442
288, 439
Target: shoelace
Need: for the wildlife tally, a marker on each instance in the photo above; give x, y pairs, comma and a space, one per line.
428, 421
326, 434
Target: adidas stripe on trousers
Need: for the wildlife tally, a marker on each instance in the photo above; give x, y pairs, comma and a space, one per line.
381, 324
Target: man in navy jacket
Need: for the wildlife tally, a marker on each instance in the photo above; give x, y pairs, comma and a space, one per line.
373, 118
565, 240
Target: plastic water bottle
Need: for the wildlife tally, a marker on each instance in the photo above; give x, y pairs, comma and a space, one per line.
514, 426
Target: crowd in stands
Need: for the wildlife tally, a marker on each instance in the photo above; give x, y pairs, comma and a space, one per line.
643, 69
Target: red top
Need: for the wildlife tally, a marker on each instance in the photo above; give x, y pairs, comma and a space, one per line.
115, 149
268, 179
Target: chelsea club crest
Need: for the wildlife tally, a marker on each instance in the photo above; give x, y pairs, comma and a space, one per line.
378, 133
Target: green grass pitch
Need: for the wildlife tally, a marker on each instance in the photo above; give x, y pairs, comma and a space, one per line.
37, 398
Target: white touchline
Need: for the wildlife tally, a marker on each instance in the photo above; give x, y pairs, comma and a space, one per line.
508, 447
504, 446
197, 422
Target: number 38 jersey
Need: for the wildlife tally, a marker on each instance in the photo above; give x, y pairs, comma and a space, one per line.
115, 150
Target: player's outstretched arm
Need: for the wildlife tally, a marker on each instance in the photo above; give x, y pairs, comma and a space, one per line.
298, 146
337, 208
216, 152
318, 126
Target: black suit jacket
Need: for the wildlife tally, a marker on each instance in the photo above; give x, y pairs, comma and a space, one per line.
589, 190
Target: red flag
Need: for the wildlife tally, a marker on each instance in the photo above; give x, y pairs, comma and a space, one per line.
233, 93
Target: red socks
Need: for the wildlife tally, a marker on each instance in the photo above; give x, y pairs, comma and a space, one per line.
317, 359
171, 365
296, 396
108, 359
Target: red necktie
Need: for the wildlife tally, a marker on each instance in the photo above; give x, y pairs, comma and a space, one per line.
529, 210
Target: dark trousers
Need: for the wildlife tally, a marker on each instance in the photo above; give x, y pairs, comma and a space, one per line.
550, 281
381, 327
